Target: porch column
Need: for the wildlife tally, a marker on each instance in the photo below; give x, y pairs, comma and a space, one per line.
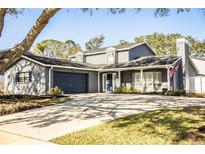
98, 81
141, 79
168, 78
119, 78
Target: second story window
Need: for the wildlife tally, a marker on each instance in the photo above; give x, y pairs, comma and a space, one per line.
23, 77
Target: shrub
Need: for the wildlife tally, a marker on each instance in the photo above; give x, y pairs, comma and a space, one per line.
56, 91
176, 93
126, 90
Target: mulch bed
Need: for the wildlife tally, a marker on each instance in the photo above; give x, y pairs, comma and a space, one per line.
16, 98
6, 108
16, 103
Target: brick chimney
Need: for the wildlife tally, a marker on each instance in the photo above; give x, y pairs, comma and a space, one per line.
183, 52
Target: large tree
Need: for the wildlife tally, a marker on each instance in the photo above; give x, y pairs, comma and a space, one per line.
56, 49
72, 47
95, 43
123, 42
42, 21
166, 44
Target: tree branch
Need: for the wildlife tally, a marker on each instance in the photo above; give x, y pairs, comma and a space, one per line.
2, 15
15, 53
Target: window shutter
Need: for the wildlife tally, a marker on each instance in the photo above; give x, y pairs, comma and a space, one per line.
17, 77
30, 76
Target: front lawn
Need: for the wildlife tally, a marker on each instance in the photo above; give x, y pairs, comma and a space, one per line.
12, 105
184, 125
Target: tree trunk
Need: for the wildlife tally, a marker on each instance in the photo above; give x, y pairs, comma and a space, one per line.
14, 53
2, 15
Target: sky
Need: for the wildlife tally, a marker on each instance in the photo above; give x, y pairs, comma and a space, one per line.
80, 27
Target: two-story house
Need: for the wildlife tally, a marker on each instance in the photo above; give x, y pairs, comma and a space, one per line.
102, 70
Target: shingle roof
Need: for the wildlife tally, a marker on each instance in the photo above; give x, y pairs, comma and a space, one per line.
139, 62
61, 62
117, 47
145, 61
52, 61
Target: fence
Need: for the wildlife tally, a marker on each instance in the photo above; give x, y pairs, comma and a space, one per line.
197, 84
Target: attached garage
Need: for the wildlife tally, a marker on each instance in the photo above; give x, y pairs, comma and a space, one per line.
71, 82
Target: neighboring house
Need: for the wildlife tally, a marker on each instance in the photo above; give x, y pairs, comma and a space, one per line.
103, 70
198, 82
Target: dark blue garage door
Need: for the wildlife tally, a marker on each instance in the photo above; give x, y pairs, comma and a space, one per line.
71, 82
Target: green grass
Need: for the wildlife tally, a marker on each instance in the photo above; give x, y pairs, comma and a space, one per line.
167, 126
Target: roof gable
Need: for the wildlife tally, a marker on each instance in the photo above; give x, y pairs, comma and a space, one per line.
118, 48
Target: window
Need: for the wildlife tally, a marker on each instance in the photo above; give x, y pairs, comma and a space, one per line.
148, 81
136, 80
23, 77
157, 81
157, 77
152, 81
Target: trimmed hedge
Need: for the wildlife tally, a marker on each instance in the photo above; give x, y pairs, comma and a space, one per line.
126, 90
176, 93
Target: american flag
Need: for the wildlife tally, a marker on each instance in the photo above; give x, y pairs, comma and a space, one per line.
173, 70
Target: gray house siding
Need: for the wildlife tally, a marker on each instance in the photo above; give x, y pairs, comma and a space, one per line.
36, 86
192, 72
122, 56
140, 51
92, 78
96, 58
178, 78
93, 82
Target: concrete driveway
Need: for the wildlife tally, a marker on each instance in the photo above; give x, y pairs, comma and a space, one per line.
85, 110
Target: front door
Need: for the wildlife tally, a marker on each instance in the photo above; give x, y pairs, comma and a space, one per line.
109, 82
109, 86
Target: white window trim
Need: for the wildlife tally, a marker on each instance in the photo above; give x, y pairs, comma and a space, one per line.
150, 81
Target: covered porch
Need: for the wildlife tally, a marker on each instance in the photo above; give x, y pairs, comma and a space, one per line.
143, 79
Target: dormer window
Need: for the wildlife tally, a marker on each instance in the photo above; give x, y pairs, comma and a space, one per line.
79, 57
111, 55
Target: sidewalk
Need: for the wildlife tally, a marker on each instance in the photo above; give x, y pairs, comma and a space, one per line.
8, 138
